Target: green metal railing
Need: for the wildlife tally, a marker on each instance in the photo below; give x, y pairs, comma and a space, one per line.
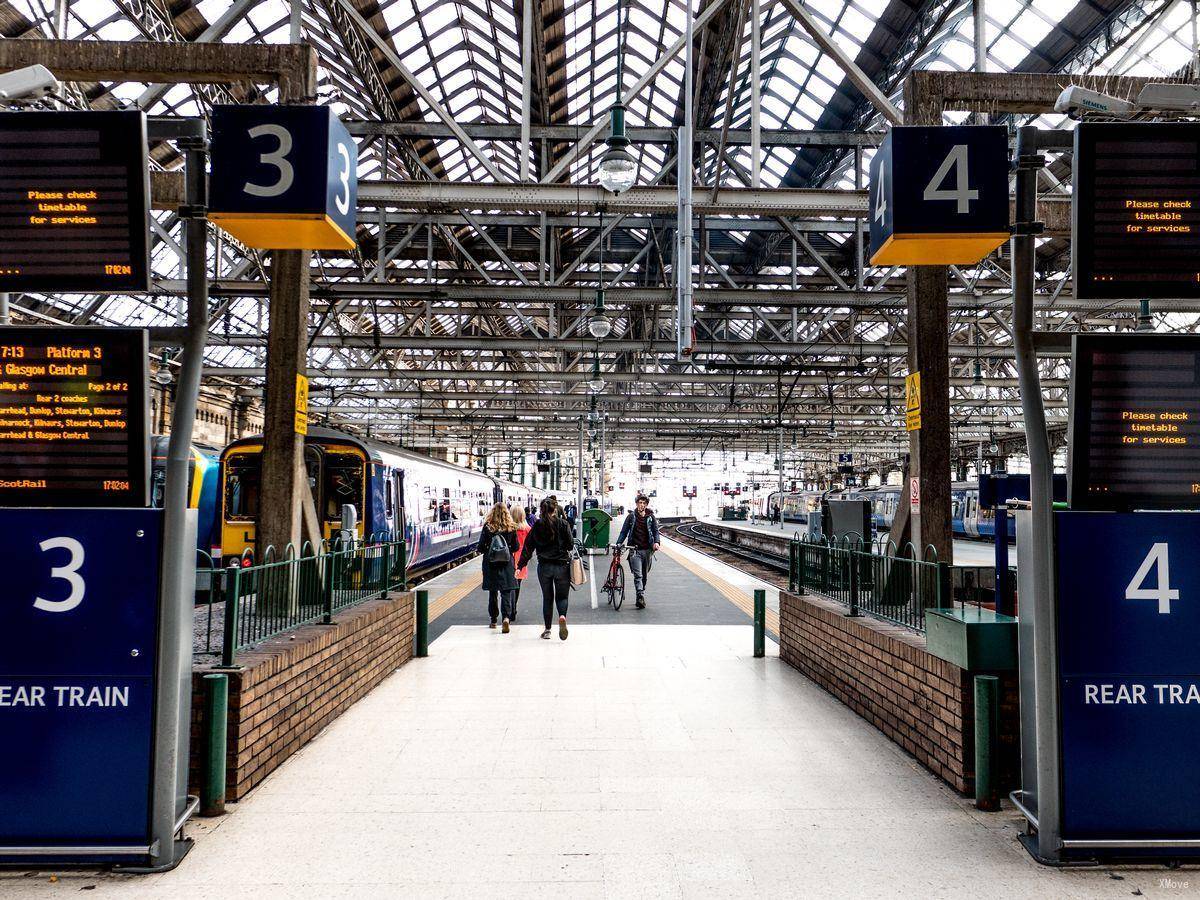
893, 587
264, 600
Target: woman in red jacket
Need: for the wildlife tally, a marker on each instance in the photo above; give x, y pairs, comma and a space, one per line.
522, 523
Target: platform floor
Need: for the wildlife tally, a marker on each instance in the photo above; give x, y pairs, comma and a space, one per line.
966, 552
676, 595
630, 761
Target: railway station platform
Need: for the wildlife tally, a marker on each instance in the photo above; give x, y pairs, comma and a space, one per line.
647, 756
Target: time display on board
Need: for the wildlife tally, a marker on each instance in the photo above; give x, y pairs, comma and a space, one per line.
74, 202
1137, 210
1135, 422
73, 417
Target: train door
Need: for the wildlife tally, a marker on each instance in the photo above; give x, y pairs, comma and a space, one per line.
312, 469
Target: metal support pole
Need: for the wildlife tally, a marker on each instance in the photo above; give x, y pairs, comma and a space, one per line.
859, 261
755, 93
854, 611
329, 561
980, 35
173, 697
296, 7
233, 590
579, 486
684, 325
779, 465
801, 567
1002, 587
216, 720
422, 624
5, 314
760, 623
383, 590
987, 736
526, 84
1038, 558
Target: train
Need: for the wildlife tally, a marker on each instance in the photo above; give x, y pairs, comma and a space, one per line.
969, 518
438, 508
203, 469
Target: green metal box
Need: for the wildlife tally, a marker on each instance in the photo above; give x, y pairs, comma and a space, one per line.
973, 638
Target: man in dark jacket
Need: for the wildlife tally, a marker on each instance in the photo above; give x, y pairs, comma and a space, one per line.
641, 532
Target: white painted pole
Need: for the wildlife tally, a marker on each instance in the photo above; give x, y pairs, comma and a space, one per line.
755, 93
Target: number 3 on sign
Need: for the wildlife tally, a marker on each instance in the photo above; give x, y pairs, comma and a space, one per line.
68, 573
1163, 593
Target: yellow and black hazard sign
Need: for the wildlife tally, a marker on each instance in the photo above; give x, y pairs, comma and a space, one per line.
912, 401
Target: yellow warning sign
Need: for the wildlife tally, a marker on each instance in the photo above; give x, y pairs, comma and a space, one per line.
912, 401
301, 404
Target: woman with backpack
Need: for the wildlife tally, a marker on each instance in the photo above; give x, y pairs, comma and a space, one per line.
552, 540
518, 514
498, 548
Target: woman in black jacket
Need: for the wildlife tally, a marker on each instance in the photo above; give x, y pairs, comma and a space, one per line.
499, 571
552, 540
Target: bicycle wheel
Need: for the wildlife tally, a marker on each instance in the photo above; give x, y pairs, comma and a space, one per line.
618, 594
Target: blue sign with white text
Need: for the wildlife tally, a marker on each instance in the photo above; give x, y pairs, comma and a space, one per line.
1129, 674
78, 645
284, 177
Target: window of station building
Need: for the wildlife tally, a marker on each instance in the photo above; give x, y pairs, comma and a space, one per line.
343, 484
243, 483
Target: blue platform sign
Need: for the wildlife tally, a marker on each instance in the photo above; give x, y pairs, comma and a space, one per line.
939, 195
284, 177
78, 635
1129, 674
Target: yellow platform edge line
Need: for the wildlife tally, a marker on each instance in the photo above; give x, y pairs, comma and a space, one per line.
448, 600
738, 598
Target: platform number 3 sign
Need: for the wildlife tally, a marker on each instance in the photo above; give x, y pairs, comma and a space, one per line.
68, 573
1162, 592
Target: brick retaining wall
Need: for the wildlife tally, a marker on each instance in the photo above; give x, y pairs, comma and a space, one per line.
290, 687
884, 673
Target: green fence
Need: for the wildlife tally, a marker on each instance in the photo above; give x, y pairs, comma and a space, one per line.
267, 599
894, 587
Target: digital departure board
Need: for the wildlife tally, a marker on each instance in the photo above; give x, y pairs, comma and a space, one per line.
73, 413
1137, 210
1134, 439
74, 195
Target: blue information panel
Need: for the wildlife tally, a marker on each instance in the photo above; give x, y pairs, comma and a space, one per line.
1129, 674
78, 629
284, 177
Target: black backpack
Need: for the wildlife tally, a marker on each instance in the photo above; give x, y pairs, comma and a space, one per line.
499, 552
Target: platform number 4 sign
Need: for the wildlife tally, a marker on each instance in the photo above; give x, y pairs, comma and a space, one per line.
1162, 592
961, 194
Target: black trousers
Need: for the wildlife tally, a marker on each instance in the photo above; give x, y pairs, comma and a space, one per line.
509, 601
555, 579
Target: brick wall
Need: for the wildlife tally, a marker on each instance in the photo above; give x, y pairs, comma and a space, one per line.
291, 687
884, 673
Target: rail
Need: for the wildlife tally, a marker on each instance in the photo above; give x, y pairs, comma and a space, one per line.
261, 601
896, 588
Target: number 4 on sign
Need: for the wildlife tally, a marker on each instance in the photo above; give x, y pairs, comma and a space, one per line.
1163, 592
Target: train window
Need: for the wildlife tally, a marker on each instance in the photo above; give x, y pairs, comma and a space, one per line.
343, 484
389, 498
243, 481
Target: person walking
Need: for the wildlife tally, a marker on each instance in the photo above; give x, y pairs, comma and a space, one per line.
523, 527
640, 534
498, 545
552, 541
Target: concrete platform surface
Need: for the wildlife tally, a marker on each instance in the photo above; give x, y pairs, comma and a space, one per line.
629, 761
675, 595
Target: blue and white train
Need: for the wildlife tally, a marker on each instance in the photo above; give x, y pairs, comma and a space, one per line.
438, 507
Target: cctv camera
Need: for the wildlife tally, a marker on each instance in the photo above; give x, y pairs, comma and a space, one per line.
27, 85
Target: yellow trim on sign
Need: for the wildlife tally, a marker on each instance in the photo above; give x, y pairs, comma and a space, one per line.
285, 231
937, 249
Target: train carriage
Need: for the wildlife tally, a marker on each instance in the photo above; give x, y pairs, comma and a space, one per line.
438, 508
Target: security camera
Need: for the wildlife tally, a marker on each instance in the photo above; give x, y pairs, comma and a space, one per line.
1077, 101
27, 85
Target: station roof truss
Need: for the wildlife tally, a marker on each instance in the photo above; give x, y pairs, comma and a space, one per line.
461, 317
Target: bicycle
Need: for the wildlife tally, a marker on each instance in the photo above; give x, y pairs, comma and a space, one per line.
614, 586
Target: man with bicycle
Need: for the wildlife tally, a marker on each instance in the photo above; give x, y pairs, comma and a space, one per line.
640, 534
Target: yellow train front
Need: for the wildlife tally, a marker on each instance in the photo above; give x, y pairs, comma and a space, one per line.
436, 507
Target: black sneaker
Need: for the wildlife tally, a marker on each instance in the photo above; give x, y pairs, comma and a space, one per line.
641, 601
493, 624
546, 635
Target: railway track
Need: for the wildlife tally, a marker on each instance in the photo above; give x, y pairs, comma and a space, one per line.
775, 563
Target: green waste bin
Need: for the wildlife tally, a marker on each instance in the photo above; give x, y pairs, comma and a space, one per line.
596, 527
